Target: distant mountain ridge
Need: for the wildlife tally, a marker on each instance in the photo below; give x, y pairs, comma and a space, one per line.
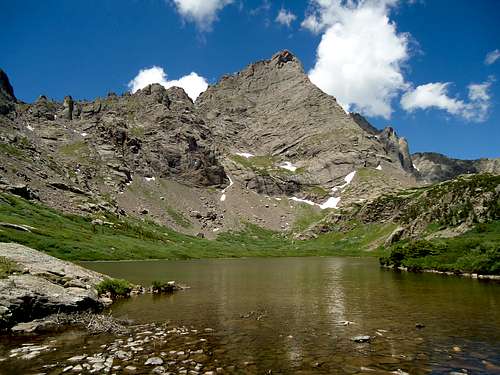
435, 167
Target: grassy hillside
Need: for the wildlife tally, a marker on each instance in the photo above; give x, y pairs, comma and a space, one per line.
74, 237
476, 251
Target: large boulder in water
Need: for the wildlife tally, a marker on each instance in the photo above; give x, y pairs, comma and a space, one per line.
43, 285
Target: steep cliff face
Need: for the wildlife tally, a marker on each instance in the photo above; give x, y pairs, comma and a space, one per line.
434, 167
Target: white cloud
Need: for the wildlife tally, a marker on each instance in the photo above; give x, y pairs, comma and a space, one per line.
479, 105
435, 95
359, 59
312, 24
192, 83
201, 12
431, 95
492, 56
285, 17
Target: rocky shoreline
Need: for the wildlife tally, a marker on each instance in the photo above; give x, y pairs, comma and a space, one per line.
147, 348
447, 273
39, 287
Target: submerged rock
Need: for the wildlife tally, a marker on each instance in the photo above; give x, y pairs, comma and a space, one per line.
361, 338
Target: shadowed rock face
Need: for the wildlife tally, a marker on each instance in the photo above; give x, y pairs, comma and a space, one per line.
397, 148
7, 98
434, 167
96, 148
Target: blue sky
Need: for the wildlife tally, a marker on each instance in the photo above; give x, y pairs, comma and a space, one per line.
418, 65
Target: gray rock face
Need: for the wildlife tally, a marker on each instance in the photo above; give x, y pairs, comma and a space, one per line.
434, 167
364, 124
47, 285
97, 148
397, 148
272, 110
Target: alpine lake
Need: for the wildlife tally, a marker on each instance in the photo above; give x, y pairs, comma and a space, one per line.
321, 315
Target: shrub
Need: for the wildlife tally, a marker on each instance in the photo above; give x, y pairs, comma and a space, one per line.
163, 286
7, 267
115, 287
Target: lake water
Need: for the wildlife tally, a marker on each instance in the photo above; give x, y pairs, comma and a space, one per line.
288, 315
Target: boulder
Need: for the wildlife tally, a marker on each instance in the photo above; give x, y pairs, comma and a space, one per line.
46, 287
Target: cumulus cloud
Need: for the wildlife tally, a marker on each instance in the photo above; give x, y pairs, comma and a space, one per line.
360, 57
193, 84
435, 95
202, 12
492, 57
285, 17
431, 95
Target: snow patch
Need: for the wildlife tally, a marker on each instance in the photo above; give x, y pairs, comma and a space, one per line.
289, 166
331, 202
231, 183
303, 201
84, 134
30, 128
347, 180
278, 199
245, 154
150, 178
379, 167
414, 166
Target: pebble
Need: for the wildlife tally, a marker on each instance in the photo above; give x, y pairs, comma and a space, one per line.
154, 361
77, 358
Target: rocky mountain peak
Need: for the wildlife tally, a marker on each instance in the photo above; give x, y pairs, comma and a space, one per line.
363, 123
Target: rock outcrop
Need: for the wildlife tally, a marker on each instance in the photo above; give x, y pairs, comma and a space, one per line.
44, 285
397, 148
